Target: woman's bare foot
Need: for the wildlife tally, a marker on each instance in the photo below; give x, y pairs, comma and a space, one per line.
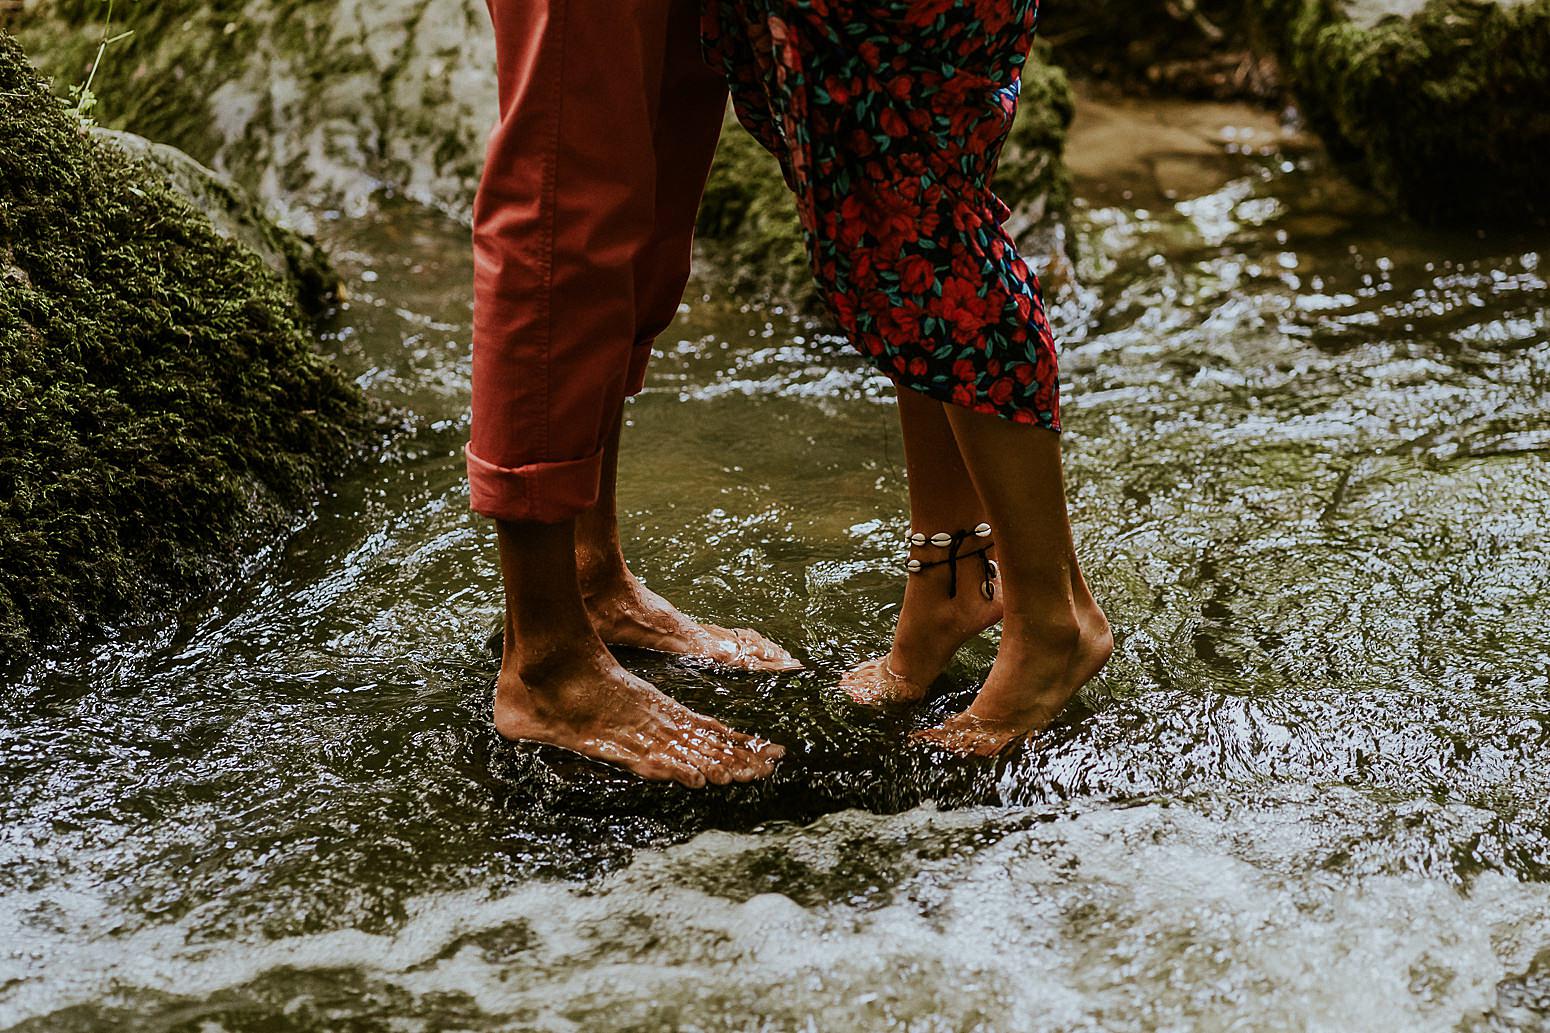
1038, 668
627, 613
931, 629
583, 701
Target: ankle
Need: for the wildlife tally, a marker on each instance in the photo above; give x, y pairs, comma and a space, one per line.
967, 581
543, 654
601, 572
1056, 631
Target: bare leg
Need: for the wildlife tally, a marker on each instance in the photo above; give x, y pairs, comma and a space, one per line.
560, 685
627, 613
1054, 636
931, 625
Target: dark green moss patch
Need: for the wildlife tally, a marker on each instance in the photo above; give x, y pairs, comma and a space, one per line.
1032, 171
235, 213
161, 394
1446, 113
748, 220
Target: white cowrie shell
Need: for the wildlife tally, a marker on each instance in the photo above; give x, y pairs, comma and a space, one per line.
942, 539
917, 539
913, 566
983, 531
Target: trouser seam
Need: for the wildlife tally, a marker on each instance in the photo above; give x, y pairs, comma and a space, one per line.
551, 204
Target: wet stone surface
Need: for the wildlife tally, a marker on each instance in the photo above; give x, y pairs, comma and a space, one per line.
1309, 465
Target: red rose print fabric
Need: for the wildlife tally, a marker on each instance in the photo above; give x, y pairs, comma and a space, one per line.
888, 117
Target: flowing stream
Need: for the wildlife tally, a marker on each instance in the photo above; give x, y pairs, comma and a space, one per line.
1309, 461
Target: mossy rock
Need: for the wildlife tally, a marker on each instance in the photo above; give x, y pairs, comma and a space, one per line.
1442, 106
163, 397
234, 213
294, 99
748, 224
1032, 177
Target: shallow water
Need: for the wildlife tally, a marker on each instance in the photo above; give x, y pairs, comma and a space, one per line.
1309, 461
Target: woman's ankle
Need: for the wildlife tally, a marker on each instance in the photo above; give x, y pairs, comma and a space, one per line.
932, 627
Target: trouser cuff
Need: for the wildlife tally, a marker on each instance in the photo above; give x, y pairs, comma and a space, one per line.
544, 493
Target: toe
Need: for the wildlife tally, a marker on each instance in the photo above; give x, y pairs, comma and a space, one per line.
706, 723
771, 751
935, 737
718, 768
748, 762
716, 759
662, 767
768, 655
754, 762
746, 649
760, 746
689, 775
751, 768
680, 762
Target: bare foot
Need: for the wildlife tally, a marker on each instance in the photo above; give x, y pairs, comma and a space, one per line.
583, 701
931, 629
627, 613
1036, 672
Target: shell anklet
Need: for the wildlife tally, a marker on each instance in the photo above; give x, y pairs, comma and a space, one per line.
953, 541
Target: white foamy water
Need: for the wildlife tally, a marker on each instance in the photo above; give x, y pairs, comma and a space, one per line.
1146, 917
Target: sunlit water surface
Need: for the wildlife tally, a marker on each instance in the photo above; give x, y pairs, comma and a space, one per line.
1309, 460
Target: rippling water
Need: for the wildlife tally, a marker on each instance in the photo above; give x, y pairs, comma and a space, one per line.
1309, 454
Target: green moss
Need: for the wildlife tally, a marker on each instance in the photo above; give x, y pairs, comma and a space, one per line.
748, 220
1447, 113
162, 395
237, 214
1032, 171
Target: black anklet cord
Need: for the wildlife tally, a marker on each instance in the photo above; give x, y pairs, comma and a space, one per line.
953, 557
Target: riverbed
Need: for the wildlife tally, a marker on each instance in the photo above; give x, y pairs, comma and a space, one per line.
1308, 451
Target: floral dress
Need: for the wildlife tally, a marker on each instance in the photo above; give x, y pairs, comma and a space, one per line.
888, 118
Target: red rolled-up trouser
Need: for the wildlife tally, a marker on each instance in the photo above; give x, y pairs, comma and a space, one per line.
582, 230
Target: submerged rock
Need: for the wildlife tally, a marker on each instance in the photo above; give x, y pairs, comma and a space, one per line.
1443, 106
162, 395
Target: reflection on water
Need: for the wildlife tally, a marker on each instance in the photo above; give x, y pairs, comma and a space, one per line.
1309, 454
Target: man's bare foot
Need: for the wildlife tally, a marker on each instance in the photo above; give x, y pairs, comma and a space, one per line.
583, 701
931, 629
627, 613
1038, 668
